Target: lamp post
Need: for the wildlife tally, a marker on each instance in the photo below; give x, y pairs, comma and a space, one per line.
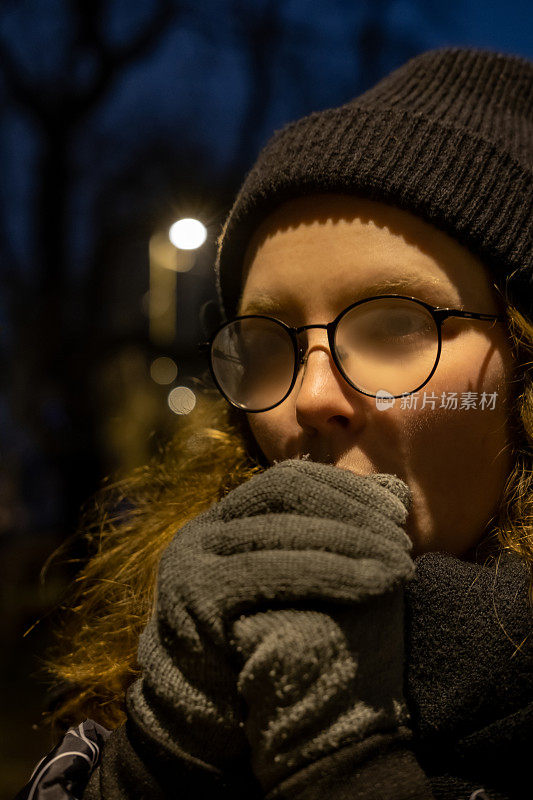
170, 253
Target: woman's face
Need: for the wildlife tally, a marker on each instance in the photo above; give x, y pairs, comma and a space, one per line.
315, 256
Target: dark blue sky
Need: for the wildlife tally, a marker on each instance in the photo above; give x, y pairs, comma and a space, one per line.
193, 91
505, 26
196, 84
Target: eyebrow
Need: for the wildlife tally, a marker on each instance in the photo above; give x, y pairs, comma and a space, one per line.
411, 285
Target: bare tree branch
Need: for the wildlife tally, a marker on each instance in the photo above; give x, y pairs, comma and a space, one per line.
69, 104
260, 35
112, 60
23, 90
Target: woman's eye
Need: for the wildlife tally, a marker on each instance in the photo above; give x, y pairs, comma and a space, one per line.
401, 324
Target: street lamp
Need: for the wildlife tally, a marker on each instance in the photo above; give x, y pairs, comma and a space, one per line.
170, 253
187, 234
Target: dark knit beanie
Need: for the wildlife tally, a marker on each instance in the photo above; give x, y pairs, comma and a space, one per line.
447, 136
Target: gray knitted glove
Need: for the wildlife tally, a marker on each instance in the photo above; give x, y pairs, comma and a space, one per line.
278, 634
323, 665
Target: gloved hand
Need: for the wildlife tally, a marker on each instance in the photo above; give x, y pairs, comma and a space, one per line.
278, 631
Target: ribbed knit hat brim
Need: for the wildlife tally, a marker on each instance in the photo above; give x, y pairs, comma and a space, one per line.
447, 136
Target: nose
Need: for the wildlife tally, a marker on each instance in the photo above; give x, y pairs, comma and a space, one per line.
322, 397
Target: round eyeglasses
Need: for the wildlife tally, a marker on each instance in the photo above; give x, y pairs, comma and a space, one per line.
388, 343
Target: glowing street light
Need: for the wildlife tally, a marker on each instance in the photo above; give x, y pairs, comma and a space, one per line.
171, 252
187, 234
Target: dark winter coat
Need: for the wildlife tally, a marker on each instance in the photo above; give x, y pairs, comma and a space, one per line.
468, 685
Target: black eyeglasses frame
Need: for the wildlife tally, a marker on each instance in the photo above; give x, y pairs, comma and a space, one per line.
438, 314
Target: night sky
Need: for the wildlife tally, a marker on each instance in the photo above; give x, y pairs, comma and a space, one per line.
196, 83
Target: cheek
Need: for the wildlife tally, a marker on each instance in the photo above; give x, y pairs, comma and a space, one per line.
271, 432
461, 444
456, 464
457, 459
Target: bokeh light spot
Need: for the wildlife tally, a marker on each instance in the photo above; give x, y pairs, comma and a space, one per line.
163, 370
181, 400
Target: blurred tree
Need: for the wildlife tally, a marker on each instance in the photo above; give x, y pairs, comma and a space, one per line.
58, 90
119, 147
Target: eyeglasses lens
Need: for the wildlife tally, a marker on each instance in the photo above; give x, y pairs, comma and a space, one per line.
388, 344
253, 361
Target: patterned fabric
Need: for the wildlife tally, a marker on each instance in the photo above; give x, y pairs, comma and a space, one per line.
63, 773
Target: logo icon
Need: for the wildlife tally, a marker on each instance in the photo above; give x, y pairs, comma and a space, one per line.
384, 400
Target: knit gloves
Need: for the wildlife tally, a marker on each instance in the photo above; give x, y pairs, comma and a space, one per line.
278, 632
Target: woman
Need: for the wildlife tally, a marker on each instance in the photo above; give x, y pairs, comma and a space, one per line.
346, 610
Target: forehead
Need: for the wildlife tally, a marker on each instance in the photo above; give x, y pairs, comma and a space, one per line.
332, 246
